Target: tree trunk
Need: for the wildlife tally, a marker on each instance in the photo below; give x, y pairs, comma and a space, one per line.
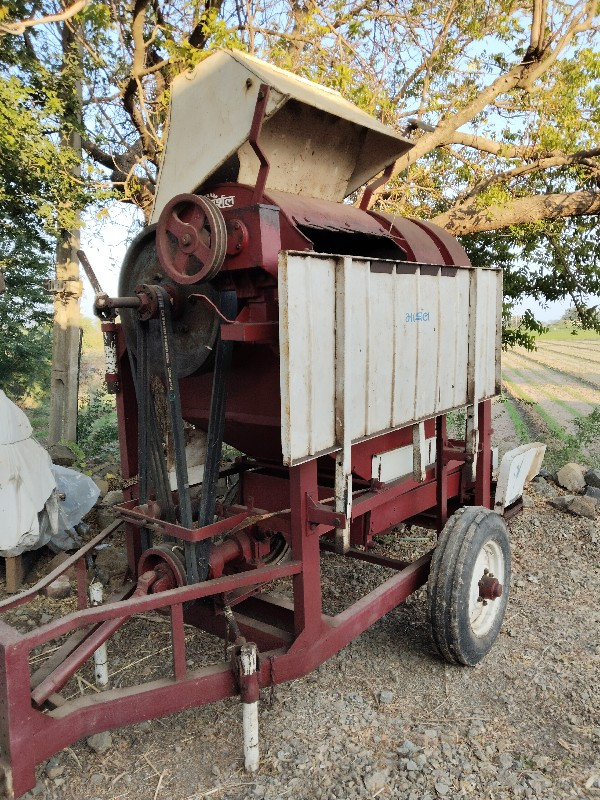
66, 347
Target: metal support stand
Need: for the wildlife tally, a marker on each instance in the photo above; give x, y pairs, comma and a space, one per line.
250, 690
101, 654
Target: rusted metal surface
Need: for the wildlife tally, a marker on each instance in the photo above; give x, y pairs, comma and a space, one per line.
195, 329
191, 239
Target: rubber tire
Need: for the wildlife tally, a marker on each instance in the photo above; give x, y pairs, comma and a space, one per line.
459, 544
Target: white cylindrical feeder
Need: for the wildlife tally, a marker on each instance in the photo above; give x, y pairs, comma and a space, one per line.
101, 654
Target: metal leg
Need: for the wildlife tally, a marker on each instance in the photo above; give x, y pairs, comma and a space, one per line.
441, 487
484, 462
17, 755
305, 548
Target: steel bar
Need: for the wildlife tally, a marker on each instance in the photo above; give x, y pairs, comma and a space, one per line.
152, 602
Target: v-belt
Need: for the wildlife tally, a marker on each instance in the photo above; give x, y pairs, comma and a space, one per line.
196, 553
174, 403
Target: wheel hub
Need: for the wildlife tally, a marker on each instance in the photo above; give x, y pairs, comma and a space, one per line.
489, 587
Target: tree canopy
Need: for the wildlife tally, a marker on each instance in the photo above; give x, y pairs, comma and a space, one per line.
501, 99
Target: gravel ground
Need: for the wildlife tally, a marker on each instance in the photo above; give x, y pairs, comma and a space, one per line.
386, 717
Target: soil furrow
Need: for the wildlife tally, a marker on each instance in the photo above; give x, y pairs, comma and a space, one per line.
557, 386
579, 356
593, 382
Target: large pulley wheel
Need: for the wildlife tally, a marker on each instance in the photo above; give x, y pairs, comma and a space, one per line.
468, 584
191, 239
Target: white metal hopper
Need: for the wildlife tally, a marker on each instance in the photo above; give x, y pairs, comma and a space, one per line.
319, 144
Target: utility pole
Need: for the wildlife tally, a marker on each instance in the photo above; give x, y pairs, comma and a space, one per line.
67, 289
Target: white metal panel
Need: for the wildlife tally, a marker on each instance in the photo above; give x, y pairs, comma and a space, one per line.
358, 283
428, 339
404, 375
381, 318
307, 353
394, 464
406, 346
517, 468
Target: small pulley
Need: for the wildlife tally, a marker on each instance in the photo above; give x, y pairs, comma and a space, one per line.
191, 239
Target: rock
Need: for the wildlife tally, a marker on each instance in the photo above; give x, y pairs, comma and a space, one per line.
62, 455
592, 478
59, 588
102, 484
570, 477
592, 491
562, 502
376, 781
53, 769
58, 560
100, 742
505, 760
407, 748
546, 474
442, 788
105, 516
97, 779
544, 488
113, 498
583, 507
46, 618
411, 766
528, 502
385, 696
111, 563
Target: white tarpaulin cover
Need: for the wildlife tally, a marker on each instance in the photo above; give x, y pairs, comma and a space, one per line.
26, 483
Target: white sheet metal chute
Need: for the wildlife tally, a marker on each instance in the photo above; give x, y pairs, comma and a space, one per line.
318, 144
369, 347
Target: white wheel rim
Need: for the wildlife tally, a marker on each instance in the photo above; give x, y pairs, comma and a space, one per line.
482, 614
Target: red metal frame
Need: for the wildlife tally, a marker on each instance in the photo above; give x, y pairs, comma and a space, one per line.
293, 636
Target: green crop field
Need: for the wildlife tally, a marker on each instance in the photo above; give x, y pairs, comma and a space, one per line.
564, 331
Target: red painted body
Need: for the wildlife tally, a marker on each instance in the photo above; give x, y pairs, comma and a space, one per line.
293, 636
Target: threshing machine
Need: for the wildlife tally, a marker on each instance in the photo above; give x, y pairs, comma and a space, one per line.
325, 342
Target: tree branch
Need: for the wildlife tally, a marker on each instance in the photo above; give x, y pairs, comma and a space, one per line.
17, 28
470, 217
583, 157
518, 76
